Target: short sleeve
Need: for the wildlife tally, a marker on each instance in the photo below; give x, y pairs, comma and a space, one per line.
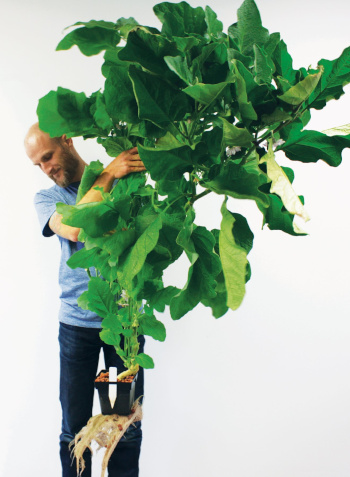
45, 206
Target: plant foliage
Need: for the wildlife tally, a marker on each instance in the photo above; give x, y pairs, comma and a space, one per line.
207, 110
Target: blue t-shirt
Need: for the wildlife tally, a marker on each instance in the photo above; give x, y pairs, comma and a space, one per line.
72, 282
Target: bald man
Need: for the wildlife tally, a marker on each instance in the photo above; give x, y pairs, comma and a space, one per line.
79, 329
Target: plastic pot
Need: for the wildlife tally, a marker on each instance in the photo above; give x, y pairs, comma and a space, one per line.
125, 396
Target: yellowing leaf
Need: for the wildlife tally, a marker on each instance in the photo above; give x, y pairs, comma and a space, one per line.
301, 91
338, 131
282, 186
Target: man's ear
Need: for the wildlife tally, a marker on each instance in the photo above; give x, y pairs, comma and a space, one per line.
68, 141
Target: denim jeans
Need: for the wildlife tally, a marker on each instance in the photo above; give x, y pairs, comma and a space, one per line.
79, 355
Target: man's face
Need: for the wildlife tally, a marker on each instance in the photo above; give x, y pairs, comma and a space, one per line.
55, 159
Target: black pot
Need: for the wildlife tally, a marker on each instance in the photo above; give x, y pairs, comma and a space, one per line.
125, 396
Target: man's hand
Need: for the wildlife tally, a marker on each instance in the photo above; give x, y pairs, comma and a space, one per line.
127, 162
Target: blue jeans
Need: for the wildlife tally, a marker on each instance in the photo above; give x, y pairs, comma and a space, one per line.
79, 355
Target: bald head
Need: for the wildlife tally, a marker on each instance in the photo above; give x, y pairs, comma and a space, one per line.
56, 157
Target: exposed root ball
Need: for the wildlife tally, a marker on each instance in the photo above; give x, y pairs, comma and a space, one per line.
107, 432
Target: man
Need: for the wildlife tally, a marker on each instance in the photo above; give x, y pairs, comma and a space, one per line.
79, 339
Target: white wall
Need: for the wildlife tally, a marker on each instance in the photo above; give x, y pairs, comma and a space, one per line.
261, 392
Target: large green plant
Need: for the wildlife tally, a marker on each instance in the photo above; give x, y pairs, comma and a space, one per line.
207, 110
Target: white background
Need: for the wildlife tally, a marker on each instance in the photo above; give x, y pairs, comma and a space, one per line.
263, 391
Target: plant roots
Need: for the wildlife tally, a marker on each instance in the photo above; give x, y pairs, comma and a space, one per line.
106, 431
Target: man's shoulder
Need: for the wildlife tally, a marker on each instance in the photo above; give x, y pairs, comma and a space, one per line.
55, 194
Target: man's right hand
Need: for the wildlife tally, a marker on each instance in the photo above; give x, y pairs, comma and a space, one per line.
127, 162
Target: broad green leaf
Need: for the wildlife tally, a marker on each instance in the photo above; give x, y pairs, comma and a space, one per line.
91, 173
65, 112
157, 101
282, 186
148, 50
91, 40
234, 136
277, 116
250, 29
144, 360
311, 146
166, 164
238, 181
115, 145
336, 75
278, 218
119, 96
205, 267
150, 326
233, 54
214, 25
111, 58
206, 93
96, 218
233, 257
161, 298
218, 303
301, 91
246, 109
138, 253
263, 66
112, 323
100, 115
180, 19
179, 65
284, 63
100, 298
125, 25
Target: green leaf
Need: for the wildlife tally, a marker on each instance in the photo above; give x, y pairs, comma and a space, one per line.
234, 136
263, 66
119, 96
206, 93
250, 29
157, 101
161, 298
180, 19
144, 360
91, 40
205, 267
311, 146
278, 218
125, 25
99, 298
65, 112
214, 25
179, 65
101, 117
282, 186
240, 182
233, 253
245, 107
336, 75
166, 164
96, 218
115, 145
284, 64
135, 259
148, 50
91, 173
301, 91
150, 326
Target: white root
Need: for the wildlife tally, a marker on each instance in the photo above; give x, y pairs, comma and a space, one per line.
107, 432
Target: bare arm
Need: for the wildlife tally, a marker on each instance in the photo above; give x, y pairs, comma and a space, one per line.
127, 162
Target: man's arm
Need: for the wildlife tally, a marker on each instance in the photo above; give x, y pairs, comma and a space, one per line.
126, 163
